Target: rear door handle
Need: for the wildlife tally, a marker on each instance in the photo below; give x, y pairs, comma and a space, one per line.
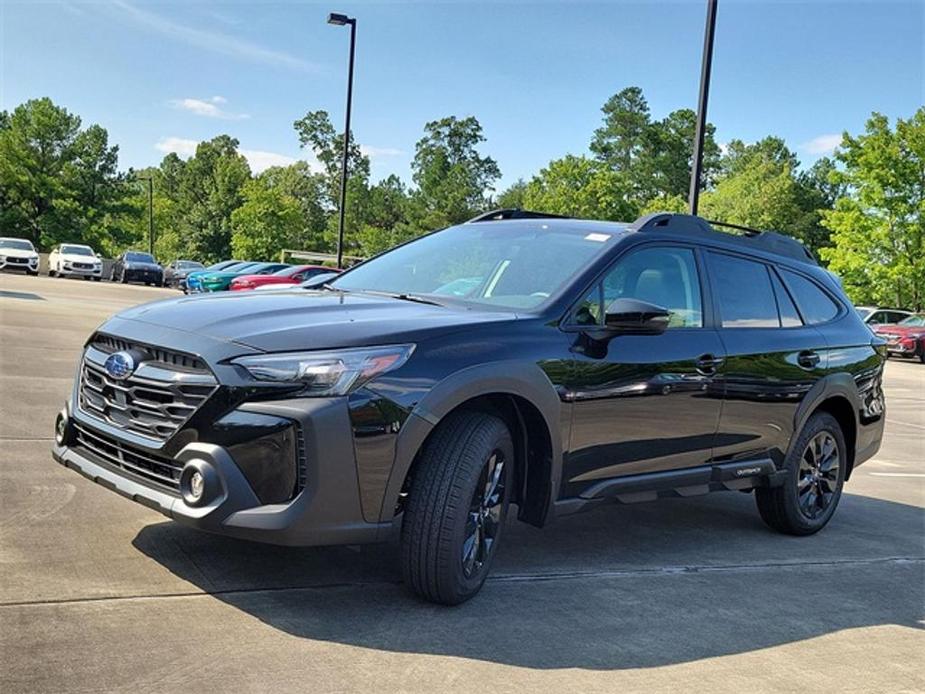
808, 359
707, 364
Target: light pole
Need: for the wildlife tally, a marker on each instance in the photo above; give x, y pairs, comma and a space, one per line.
705, 68
344, 20
150, 212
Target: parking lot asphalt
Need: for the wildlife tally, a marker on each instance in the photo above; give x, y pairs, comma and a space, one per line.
100, 594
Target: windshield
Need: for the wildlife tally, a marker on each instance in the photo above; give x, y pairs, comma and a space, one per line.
188, 265
913, 321
77, 250
139, 258
511, 265
18, 244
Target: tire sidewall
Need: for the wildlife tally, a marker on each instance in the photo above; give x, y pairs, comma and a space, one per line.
469, 585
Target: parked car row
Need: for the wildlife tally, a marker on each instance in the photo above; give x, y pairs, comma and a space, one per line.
905, 338
242, 275
190, 276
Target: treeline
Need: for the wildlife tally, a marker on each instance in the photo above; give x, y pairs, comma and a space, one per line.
861, 211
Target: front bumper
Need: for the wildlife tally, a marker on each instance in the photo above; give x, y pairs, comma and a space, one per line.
326, 511
146, 276
71, 271
903, 346
22, 266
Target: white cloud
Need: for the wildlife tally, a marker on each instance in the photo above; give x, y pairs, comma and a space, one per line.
258, 159
212, 40
378, 152
178, 145
823, 144
209, 109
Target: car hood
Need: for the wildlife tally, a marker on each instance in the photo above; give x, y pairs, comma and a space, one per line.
18, 253
303, 319
216, 276
137, 265
73, 258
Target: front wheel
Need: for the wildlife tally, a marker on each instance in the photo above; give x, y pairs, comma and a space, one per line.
816, 468
455, 513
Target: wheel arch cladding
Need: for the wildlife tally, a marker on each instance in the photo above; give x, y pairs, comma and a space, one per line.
518, 393
839, 407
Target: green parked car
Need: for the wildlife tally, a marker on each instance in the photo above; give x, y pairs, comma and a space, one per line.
220, 281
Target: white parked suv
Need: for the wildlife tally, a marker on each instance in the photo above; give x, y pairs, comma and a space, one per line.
18, 254
74, 260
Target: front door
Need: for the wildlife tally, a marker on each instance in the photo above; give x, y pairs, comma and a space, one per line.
643, 403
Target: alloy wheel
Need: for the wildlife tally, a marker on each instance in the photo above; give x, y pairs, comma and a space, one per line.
817, 483
484, 520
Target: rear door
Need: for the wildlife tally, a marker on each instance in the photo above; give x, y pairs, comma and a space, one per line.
772, 358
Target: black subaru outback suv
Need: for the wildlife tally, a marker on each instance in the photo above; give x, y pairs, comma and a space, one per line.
550, 363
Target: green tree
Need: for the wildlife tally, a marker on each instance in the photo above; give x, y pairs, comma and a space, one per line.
57, 181
452, 177
878, 224
621, 139
580, 187
513, 197
209, 190
308, 187
266, 222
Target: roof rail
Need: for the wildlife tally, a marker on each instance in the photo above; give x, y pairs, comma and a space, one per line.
691, 225
513, 213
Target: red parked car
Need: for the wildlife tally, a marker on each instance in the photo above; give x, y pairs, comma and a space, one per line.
906, 338
289, 275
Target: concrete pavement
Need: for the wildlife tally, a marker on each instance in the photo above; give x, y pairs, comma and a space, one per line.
100, 594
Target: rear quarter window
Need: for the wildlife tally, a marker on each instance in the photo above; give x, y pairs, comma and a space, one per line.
815, 305
744, 292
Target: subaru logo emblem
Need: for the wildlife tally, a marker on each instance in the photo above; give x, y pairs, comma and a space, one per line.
119, 365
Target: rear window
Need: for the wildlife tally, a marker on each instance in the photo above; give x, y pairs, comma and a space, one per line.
813, 302
745, 294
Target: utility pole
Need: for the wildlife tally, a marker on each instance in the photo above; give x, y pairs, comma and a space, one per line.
705, 68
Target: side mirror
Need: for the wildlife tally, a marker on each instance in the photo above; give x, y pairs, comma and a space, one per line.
635, 316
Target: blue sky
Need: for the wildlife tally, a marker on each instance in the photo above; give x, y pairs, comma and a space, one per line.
161, 76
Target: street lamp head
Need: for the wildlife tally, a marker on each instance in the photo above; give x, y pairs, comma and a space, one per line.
340, 19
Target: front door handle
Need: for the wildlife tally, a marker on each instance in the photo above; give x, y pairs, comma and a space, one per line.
808, 359
707, 364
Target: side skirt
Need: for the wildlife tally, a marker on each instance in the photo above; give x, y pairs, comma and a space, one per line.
741, 475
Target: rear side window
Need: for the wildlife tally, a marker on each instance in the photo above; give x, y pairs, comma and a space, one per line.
814, 304
789, 316
744, 291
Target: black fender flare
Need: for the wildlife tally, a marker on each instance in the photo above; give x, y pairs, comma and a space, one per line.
833, 385
518, 378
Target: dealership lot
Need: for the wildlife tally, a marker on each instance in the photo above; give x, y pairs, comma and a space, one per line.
98, 593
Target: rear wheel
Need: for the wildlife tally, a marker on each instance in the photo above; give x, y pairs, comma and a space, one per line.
816, 469
455, 512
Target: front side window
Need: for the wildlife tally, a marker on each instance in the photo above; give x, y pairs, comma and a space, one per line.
744, 292
499, 264
666, 277
814, 304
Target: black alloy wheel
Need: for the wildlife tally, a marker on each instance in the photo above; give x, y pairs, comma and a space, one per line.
484, 521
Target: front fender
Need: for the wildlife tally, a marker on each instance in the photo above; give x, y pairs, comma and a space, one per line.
525, 380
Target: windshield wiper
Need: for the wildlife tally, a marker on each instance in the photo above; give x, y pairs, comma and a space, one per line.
402, 296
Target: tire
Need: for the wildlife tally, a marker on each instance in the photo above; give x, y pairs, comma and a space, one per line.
812, 488
32, 274
122, 278
445, 515
97, 279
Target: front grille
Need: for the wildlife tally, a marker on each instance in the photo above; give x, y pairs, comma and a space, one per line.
110, 344
162, 472
17, 261
83, 266
155, 401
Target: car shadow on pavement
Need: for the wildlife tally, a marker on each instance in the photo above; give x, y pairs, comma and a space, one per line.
619, 587
28, 296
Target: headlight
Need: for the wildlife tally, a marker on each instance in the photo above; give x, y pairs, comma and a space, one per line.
326, 373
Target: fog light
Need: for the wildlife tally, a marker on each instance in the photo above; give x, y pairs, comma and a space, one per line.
197, 485
64, 432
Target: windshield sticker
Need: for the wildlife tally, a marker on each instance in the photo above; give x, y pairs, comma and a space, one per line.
600, 238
